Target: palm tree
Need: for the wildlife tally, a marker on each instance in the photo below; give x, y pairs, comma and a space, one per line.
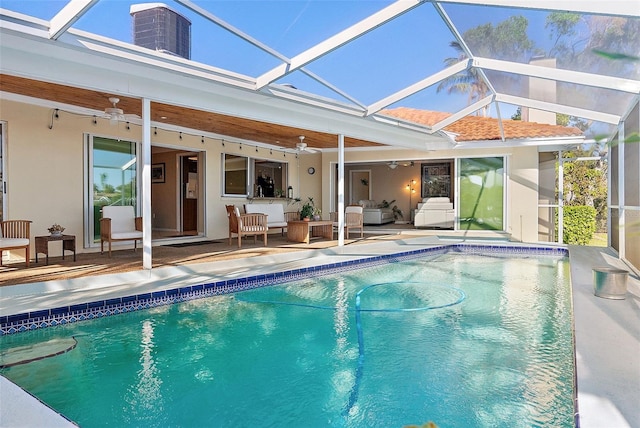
468, 82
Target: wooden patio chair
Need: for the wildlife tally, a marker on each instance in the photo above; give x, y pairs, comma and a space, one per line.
15, 235
246, 225
119, 223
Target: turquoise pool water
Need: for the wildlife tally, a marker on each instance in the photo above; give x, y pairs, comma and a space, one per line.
460, 340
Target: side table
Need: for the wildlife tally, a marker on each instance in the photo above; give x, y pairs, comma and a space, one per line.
68, 244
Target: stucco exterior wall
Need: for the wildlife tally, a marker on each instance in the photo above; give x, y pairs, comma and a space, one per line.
46, 169
46, 172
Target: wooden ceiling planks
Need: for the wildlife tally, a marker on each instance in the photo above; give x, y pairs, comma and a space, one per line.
246, 129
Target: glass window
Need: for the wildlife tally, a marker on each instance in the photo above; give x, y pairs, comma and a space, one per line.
235, 175
113, 177
270, 179
267, 178
481, 193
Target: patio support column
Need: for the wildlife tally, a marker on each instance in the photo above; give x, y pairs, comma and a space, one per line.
621, 202
560, 197
340, 190
146, 184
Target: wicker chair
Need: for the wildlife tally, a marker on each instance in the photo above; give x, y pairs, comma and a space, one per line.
119, 223
246, 225
15, 235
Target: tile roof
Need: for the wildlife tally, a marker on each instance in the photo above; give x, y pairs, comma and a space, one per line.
476, 128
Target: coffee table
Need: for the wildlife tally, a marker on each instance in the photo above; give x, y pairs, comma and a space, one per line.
303, 231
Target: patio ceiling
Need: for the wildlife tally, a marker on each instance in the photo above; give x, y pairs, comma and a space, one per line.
185, 118
212, 96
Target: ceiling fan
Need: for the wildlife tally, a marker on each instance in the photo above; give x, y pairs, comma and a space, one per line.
394, 164
302, 146
114, 114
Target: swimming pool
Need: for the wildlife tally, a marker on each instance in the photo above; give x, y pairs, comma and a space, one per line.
497, 351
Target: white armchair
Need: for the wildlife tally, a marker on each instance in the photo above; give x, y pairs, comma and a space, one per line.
435, 212
119, 223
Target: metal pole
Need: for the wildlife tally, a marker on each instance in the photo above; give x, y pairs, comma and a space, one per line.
621, 201
340, 190
146, 184
560, 197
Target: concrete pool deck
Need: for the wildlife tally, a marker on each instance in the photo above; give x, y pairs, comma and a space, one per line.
607, 332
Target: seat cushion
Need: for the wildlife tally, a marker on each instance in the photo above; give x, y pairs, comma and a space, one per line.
368, 203
13, 242
136, 234
122, 218
274, 212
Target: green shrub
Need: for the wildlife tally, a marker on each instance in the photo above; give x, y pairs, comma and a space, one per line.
579, 224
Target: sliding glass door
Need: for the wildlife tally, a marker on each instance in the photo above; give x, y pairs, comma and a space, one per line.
112, 178
481, 193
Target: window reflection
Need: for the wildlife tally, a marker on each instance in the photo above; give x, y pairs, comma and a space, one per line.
235, 175
270, 179
267, 178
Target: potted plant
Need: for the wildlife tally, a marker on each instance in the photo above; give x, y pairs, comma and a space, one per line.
307, 210
397, 212
56, 230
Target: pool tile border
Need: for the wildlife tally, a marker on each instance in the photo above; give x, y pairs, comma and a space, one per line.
18, 323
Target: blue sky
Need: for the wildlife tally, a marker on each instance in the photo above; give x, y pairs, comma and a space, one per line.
376, 65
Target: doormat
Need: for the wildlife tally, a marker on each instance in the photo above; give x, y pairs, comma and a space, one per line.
191, 244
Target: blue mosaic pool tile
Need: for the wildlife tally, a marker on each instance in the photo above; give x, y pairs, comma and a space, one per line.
78, 307
39, 314
13, 319
62, 315
96, 304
